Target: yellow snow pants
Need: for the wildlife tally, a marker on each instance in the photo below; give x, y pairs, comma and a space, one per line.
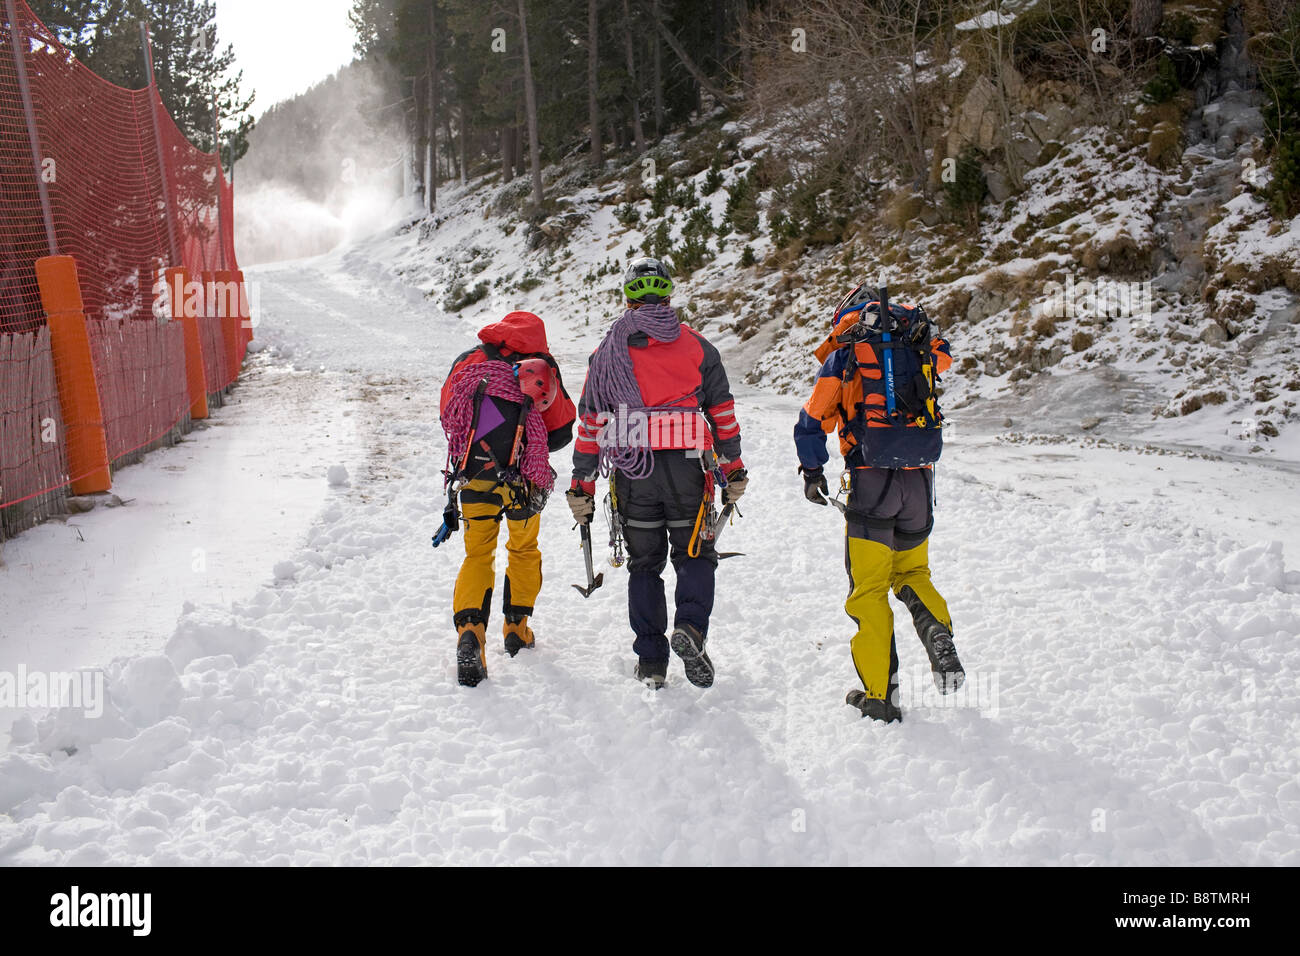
480, 507
875, 570
886, 548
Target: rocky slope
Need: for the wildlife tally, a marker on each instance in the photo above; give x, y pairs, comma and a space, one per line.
1134, 287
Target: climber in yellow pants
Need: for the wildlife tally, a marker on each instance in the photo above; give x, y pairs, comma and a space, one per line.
481, 503
889, 518
875, 570
503, 409
877, 390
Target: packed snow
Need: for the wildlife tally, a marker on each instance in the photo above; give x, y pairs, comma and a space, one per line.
1127, 617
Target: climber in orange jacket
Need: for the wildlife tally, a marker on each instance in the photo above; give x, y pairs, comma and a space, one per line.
876, 390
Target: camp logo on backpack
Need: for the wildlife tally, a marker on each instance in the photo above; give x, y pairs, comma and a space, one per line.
889, 409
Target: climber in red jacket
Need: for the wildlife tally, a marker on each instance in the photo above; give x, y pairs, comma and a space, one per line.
488, 416
658, 417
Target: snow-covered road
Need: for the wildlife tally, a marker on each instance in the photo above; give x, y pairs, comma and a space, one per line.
1127, 620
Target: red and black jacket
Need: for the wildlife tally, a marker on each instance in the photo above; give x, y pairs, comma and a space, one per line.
685, 373
519, 336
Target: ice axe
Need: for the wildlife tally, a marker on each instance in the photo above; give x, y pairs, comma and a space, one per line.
593, 580
723, 519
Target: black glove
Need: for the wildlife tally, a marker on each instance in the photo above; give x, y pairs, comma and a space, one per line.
451, 515
814, 485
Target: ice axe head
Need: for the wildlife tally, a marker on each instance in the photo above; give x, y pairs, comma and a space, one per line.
596, 582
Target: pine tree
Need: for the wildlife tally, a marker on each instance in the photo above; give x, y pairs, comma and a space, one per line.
593, 73
1145, 16
190, 66
530, 98
588, 76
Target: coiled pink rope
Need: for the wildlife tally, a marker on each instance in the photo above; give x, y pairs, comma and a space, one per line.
612, 384
458, 416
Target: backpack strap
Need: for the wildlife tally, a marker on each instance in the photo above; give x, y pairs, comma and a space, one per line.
479, 391
525, 407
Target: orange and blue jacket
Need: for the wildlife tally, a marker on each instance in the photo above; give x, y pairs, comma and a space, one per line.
835, 405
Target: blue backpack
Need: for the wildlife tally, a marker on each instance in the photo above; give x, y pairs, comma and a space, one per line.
889, 377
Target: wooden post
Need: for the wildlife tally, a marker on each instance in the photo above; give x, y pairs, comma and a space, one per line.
173, 247
195, 379
19, 44
74, 370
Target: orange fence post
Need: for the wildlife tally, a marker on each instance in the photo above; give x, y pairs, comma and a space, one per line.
195, 379
231, 315
245, 314
74, 368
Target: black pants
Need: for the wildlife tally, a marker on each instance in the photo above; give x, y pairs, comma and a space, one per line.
659, 514
891, 506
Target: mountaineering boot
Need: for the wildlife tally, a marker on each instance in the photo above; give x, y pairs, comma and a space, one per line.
471, 664
881, 710
518, 635
652, 673
936, 638
688, 644
886, 711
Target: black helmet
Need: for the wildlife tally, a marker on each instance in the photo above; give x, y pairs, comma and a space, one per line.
647, 280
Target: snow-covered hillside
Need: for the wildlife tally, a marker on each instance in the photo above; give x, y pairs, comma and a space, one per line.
1074, 309
1128, 630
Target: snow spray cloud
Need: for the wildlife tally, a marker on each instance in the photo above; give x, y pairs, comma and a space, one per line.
276, 222
324, 168
77, 690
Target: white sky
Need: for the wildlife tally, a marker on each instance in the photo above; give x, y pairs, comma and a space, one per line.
284, 46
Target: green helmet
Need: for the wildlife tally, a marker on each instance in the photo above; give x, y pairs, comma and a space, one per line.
647, 280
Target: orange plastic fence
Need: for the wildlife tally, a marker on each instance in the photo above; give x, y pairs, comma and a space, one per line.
103, 175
